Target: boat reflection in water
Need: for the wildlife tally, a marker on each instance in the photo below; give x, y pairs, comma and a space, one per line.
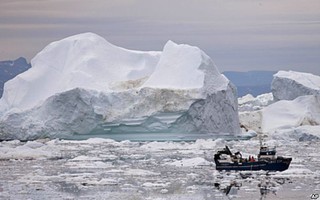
230, 189
266, 186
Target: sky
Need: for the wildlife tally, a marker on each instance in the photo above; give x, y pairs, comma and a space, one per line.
239, 35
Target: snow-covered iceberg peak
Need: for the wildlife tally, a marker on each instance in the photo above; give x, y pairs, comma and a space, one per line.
83, 83
185, 67
288, 85
81, 61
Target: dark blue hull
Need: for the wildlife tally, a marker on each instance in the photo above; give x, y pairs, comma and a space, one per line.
258, 165
266, 161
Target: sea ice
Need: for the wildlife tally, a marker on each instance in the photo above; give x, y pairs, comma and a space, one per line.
64, 169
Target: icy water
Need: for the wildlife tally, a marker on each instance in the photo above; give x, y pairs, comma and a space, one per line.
106, 169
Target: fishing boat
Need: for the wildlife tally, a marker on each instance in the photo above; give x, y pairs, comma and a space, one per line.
266, 160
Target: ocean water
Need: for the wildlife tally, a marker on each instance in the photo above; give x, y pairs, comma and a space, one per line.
107, 169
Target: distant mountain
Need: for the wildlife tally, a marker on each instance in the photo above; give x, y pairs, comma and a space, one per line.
9, 69
251, 82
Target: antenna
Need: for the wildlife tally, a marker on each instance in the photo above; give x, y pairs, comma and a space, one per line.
260, 139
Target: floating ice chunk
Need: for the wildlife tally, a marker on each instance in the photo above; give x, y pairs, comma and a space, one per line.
140, 172
301, 133
85, 158
191, 162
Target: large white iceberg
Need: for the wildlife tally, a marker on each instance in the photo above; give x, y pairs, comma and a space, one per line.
284, 114
288, 85
83, 84
304, 110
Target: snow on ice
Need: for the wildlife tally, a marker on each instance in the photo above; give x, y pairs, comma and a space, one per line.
288, 85
304, 110
250, 103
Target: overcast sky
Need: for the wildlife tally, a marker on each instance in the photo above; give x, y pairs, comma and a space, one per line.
238, 35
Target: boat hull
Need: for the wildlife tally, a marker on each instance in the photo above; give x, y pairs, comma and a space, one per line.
254, 166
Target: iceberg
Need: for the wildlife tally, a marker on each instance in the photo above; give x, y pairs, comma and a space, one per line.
304, 110
83, 84
283, 114
295, 103
250, 103
301, 133
288, 85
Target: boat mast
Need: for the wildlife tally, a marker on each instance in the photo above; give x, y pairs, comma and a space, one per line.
260, 135
260, 140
